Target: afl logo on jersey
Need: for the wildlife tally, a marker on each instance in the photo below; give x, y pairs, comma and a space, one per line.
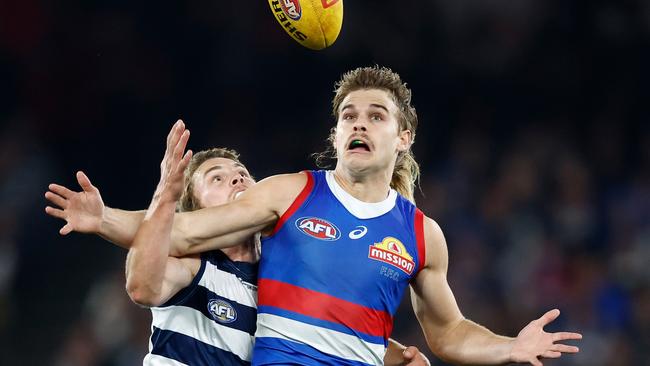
318, 228
222, 311
393, 252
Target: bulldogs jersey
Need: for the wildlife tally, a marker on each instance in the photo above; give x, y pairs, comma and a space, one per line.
332, 275
211, 321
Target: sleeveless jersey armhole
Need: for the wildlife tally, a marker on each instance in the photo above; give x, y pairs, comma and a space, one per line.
296, 203
419, 237
185, 292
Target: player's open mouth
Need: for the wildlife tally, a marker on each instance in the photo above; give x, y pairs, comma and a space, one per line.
358, 145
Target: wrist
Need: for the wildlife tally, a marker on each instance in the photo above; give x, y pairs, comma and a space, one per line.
105, 221
509, 346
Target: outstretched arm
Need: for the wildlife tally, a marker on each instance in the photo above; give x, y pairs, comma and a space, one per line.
256, 210
398, 354
85, 212
151, 276
458, 340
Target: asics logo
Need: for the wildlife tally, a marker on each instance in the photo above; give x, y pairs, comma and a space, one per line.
358, 233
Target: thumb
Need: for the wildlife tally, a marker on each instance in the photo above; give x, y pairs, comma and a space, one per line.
84, 182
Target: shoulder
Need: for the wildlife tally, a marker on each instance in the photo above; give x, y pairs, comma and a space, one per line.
290, 181
435, 244
282, 187
192, 263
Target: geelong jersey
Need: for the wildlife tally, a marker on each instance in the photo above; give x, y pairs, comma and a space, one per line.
332, 275
211, 321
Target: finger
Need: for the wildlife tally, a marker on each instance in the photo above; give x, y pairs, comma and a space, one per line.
55, 212
173, 131
56, 199
181, 144
565, 348
551, 354
535, 362
410, 352
186, 160
562, 336
60, 190
66, 229
175, 134
84, 182
549, 316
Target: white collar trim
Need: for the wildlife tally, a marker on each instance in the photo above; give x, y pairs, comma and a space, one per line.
358, 208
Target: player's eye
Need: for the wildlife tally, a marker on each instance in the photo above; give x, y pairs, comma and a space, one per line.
216, 178
377, 117
348, 116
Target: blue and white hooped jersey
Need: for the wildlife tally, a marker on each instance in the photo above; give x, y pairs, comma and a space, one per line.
211, 321
332, 275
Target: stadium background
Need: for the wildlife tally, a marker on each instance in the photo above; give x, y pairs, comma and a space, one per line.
534, 143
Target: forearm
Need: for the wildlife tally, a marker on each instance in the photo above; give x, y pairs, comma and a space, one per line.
468, 343
120, 226
215, 228
148, 255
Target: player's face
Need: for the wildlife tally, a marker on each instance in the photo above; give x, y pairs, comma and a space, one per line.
218, 180
367, 130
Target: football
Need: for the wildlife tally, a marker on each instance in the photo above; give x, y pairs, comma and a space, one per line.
314, 24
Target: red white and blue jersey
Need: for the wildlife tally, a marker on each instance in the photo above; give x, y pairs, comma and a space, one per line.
332, 275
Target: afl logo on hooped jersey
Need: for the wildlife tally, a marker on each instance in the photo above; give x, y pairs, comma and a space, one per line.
318, 228
291, 8
222, 311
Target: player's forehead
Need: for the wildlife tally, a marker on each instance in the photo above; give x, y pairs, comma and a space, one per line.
368, 98
218, 164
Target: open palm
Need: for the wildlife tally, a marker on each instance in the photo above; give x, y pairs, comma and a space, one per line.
533, 342
82, 211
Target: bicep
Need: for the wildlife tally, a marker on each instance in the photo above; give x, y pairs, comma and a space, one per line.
433, 301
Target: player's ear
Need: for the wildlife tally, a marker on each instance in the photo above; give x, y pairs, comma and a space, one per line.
405, 140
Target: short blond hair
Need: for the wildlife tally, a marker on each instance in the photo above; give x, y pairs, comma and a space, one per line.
188, 201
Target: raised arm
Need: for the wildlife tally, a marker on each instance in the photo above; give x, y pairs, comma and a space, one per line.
456, 339
85, 212
257, 209
151, 276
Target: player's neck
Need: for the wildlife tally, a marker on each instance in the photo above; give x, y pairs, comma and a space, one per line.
244, 252
366, 187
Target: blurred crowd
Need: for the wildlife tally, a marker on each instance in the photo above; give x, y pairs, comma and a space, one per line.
534, 141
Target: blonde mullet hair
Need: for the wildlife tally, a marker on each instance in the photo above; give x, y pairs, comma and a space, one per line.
406, 174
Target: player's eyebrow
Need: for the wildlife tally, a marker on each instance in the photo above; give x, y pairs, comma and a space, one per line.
214, 167
219, 166
372, 105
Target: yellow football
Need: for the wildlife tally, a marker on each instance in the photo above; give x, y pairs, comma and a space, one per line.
314, 24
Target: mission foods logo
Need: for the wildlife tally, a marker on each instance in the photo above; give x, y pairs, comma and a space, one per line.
393, 252
318, 228
291, 8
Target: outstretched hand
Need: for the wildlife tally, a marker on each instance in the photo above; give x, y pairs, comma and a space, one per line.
172, 167
82, 211
534, 343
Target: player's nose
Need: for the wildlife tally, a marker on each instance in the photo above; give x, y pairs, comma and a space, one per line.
238, 179
360, 124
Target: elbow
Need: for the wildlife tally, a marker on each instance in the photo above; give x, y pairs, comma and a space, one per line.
142, 295
446, 344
